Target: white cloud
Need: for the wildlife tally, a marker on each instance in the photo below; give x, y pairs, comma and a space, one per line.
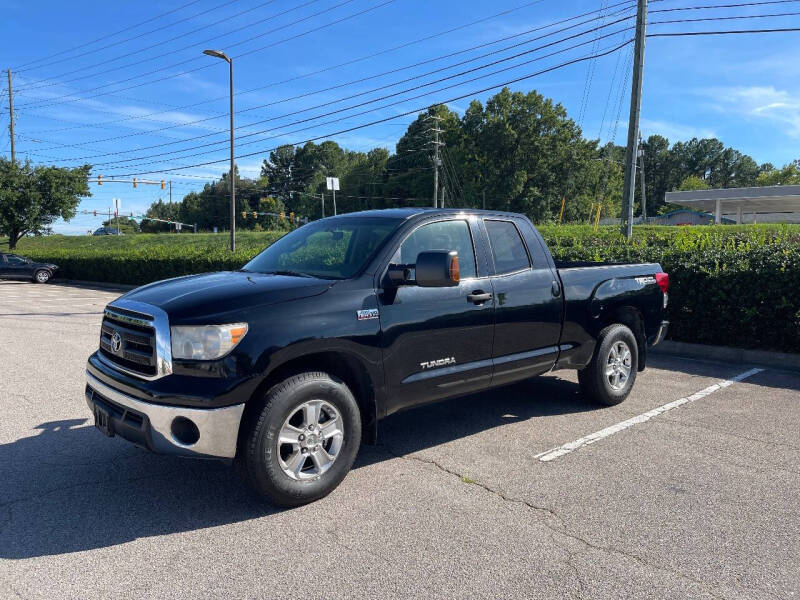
674, 132
764, 103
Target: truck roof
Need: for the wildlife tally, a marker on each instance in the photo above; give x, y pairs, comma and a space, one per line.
408, 212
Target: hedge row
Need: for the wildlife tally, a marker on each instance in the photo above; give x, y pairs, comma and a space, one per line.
729, 286
732, 285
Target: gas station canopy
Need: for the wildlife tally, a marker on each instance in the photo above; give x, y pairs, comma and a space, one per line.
738, 202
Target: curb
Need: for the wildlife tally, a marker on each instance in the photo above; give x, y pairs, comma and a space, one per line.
102, 285
780, 360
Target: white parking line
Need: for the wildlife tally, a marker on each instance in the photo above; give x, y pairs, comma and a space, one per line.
554, 453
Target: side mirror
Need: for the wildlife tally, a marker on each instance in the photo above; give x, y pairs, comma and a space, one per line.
437, 269
399, 274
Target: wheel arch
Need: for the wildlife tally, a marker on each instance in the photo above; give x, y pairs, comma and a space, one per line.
342, 365
632, 318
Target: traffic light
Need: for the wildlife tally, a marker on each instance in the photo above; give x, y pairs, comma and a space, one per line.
95, 213
162, 184
134, 182
255, 215
244, 215
99, 180
291, 217
283, 216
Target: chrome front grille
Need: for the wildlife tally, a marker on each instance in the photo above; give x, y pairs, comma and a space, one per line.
143, 348
128, 340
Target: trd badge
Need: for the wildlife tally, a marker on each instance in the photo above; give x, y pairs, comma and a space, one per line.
369, 313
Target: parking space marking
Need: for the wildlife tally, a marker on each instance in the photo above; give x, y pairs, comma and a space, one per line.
554, 453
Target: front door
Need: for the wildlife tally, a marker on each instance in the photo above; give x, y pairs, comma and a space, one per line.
528, 306
16, 267
437, 342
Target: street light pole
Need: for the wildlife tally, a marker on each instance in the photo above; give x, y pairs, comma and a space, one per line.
223, 56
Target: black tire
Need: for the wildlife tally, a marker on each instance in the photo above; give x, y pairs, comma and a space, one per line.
41, 276
594, 381
260, 455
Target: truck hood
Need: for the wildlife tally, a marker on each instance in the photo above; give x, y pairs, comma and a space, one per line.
196, 297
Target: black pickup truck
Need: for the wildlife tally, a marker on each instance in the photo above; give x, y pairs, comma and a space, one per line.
287, 364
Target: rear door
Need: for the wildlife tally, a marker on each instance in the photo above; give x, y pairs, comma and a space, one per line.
437, 342
528, 306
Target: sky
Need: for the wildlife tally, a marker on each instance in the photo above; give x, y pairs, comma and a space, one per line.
124, 85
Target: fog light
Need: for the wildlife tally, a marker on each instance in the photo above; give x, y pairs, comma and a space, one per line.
185, 431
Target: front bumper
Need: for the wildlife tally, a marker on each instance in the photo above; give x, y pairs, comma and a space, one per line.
199, 432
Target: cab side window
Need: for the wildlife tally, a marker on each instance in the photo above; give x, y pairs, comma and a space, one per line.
442, 235
14, 260
508, 248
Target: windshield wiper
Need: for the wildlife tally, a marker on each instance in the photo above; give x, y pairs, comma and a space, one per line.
289, 273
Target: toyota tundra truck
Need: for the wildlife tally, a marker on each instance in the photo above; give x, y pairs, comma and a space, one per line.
286, 365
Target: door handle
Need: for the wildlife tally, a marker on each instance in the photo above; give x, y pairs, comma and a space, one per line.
555, 288
479, 297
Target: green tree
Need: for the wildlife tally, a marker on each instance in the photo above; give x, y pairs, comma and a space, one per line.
693, 182
127, 225
32, 198
787, 175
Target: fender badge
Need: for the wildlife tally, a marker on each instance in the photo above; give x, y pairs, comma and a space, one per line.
645, 280
369, 313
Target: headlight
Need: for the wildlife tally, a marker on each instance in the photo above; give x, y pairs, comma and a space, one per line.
205, 342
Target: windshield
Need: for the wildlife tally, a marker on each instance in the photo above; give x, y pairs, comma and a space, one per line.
330, 249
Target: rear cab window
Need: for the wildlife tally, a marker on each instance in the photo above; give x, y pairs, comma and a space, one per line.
508, 250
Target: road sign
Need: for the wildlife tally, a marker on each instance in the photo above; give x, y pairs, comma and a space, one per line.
332, 183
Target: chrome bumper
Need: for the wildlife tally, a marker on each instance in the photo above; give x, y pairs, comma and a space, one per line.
662, 332
218, 427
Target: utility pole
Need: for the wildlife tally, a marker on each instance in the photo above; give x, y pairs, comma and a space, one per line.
484, 199
322, 200
436, 160
435, 169
444, 195
11, 115
170, 193
633, 119
641, 179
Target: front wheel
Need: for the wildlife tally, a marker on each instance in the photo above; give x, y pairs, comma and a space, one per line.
609, 377
42, 276
301, 443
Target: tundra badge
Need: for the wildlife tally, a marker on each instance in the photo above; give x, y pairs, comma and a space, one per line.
441, 362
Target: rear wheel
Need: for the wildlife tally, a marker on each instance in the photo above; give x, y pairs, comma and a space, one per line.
609, 377
41, 276
303, 440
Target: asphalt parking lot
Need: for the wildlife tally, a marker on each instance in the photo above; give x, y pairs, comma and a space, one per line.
689, 489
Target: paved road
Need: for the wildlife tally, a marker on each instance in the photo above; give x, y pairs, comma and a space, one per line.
698, 501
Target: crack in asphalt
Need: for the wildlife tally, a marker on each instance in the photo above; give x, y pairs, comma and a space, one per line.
563, 531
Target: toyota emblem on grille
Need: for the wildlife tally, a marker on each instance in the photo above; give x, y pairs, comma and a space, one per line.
116, 342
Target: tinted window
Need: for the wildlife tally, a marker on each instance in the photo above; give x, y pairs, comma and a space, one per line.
330, 248
15, 260
442, 235
507, 247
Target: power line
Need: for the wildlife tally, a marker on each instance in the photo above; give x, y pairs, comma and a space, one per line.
730, 32
105, 37
392, 117
384, 97
186, 72
172, 50
372, 55
398, 82
729, 18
